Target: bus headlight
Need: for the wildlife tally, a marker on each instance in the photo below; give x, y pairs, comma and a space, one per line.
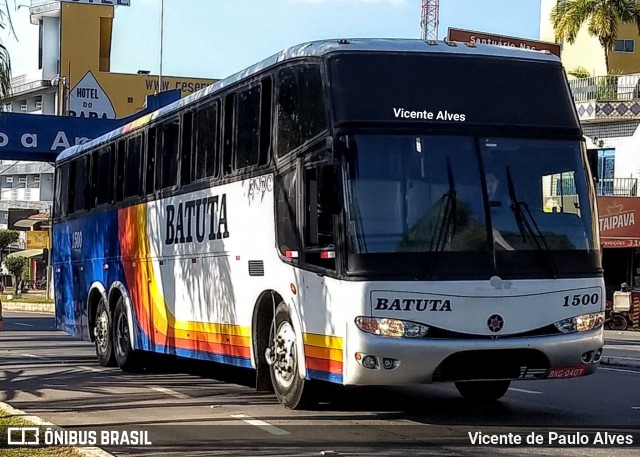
581, 323
384, 326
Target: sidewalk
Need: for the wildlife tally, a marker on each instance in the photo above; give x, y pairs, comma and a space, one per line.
621, 349
24, 305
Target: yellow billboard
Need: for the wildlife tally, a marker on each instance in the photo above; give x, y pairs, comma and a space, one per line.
38, 239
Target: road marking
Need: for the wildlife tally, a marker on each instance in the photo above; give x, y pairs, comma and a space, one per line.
170, 392
267, 427
22, 325
96, 370
32, 356
524, 391
619, 369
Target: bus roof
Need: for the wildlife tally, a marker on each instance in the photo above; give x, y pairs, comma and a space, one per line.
318, 49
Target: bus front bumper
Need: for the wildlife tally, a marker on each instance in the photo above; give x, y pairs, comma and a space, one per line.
399, 361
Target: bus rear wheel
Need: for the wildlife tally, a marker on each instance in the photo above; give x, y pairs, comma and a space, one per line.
291, 389
102, 336
483, 391
125, 355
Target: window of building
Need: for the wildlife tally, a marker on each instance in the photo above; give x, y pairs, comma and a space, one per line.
22, 180
625, 45
9, 179
36, 179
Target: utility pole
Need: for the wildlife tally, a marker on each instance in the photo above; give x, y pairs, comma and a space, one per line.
161, 42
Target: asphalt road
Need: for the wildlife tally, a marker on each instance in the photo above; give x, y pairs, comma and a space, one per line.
208, 409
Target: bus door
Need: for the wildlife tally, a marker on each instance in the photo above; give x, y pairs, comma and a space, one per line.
319, 222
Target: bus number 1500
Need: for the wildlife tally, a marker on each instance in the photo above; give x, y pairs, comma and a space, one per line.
76, 240
577, 300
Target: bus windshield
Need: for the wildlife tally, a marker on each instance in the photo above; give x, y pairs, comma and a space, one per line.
433, 195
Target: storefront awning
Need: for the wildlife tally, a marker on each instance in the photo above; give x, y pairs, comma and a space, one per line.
28, 253
619, 221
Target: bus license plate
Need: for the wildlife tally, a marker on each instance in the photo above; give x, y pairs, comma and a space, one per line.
566, 372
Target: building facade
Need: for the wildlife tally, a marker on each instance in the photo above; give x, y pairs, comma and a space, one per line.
73, 78
587, 52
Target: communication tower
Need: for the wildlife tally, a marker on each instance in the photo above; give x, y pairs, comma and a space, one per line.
429, 19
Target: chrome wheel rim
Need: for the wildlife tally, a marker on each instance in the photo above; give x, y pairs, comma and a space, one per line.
285, 355
102, 332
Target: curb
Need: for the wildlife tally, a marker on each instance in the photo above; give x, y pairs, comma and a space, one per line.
627, 362
85, 451
48, 308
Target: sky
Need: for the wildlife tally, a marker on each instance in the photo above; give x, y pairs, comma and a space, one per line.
216, 38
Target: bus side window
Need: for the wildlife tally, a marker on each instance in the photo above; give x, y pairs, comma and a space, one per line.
132, 175
319, 230
286, 214
227, 135
205, 135
248, 128
120, 162
151, 160
301, 107
62, 188
105, 176
71, 195
167, 165
266, 108
95, 174
187, 150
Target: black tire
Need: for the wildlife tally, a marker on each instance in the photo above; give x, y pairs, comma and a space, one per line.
126, 357
483, 391
102, 335
292, 390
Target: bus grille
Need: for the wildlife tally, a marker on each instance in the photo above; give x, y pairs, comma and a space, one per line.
440, 333
492, 364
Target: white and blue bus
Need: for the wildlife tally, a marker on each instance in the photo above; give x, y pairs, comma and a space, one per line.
358, 212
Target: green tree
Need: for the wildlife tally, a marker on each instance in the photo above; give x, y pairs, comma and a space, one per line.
601, 17
16, 265
580, 73
6, 238
5, 61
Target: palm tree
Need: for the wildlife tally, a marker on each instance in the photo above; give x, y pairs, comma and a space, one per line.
602, 18
5, 61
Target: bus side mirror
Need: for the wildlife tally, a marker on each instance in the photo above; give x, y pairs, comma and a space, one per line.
592, 159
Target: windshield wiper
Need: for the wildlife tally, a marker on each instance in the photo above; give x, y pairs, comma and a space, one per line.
529, 229
448, 226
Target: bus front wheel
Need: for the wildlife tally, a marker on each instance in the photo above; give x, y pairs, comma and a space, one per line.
483, 391
122, 345
102, 336
291, 389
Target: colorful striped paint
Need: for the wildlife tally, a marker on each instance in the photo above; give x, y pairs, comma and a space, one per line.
160, 330
323, 356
